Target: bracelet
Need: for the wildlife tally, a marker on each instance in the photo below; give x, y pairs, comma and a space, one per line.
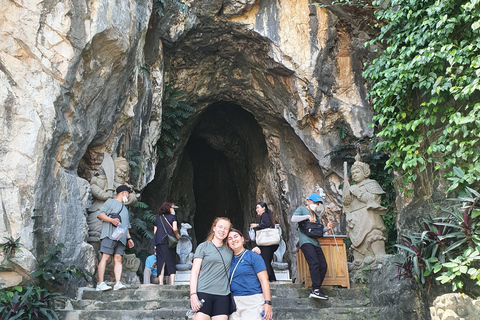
191, 294
268, 302
128, 239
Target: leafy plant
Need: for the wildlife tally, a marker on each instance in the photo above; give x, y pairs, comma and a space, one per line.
449, 245
10, 248
135, 161
175, 110
425, 86
141, 220
52, 273
31, 302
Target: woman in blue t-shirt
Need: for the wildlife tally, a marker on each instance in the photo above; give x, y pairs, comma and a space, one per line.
248, 282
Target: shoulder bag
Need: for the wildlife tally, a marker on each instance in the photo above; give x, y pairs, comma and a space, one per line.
267, 237
311, 229
233, 306
171, 240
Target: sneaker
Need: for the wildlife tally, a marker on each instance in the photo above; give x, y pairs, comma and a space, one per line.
103, 287
318, 295
119, 286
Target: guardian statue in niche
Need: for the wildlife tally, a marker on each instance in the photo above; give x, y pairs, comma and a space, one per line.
363, 209
112, 174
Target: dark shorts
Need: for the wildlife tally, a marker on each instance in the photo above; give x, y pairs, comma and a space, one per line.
214, 305
112, 247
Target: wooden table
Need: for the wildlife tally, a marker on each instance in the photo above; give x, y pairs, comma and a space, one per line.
337, 271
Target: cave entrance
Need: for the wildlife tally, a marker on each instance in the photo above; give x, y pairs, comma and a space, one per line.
217, 173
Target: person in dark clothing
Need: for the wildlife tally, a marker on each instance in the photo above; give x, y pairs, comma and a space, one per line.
266, 220
165, 221
310, 247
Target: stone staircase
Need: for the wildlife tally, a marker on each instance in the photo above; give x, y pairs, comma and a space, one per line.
290, 301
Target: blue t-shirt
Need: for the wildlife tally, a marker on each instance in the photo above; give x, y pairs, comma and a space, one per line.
149, 264
245, 280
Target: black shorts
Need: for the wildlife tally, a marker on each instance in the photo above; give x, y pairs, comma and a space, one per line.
214, 305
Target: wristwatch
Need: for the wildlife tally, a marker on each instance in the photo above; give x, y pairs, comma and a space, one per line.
268, 302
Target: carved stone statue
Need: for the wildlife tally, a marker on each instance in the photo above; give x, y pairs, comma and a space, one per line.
455, 306
363, 210
282, 247
112, 174
184, 248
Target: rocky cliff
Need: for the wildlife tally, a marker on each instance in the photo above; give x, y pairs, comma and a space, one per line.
271, 82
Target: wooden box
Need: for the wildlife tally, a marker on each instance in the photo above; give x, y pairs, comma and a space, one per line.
336, 256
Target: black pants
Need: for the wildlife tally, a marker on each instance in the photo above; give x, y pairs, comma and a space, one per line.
316, 263
267, 255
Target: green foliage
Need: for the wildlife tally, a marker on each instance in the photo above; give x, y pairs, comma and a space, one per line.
449, 245
10, 248
52, 273
175, 110
31, 302
159, 6
141, 220
135, 161
425, 86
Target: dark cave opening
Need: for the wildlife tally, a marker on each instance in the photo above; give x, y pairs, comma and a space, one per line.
216, 193
217, 172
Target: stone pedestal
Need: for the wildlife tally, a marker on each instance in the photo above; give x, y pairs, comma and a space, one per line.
182, 277
282, 275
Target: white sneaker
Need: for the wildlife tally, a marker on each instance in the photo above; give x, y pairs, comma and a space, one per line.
103, 287
119, 286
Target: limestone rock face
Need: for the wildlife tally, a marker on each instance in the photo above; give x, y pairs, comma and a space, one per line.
70, 78
296, 68
271, 82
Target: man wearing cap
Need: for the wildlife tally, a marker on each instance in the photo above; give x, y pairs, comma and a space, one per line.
113, 213
310, 247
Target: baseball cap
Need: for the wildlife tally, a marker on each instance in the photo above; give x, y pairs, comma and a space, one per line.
123, 188
315, 198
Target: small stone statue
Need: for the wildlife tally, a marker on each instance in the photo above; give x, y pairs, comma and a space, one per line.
282, 247
184, 248
455, 306
363, 210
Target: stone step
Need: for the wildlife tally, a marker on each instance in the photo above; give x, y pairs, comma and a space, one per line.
290, 301
184, 302
176, 314
156, 292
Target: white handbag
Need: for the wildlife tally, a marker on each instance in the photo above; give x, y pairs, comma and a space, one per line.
267, 237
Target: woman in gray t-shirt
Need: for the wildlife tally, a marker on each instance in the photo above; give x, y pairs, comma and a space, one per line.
209, 276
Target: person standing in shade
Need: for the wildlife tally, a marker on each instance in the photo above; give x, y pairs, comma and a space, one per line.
311, 247
112, 213
209, 276
165, 223
249, 282
266, 220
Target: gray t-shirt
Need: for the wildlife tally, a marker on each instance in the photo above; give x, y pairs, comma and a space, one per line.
213, 279
303, 211
112, 206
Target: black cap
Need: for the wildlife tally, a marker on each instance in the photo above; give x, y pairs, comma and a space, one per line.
123, 188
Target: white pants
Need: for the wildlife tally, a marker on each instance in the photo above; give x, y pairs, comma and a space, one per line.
248, 307
148, 277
